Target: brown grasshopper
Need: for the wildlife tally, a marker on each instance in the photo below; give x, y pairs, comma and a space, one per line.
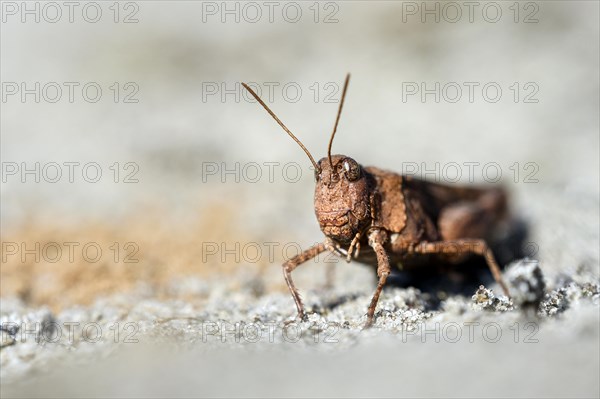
399, 220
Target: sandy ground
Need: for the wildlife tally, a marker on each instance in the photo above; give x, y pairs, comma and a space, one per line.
180, 303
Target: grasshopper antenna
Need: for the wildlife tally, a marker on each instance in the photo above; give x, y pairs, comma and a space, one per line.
282, 125
337, 119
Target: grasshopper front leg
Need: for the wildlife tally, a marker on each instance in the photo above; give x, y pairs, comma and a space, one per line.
376, 240
293, 263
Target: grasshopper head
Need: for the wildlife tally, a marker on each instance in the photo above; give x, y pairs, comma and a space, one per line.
342, 198
342, 195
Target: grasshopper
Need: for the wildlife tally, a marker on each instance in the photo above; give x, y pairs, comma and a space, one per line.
384, 219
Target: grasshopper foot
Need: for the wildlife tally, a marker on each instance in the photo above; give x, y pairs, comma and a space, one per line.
302, 316
370, 321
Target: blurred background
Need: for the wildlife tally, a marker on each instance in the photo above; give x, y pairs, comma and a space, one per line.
148, 95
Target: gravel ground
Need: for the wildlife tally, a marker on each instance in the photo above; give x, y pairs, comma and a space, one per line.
128, 344
181, 323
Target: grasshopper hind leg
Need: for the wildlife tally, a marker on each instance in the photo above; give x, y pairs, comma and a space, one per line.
475, 218
462, 247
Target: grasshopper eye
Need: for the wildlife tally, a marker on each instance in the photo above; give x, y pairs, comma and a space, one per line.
352, 169
317, 175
